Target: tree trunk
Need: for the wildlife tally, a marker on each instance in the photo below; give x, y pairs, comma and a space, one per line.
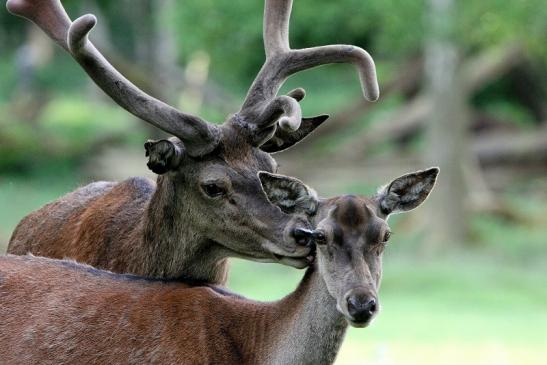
156, 51
445, 131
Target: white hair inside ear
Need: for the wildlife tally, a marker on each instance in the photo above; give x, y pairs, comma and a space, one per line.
406, 192
289, 193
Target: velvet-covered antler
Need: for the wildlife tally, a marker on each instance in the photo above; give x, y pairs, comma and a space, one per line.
199, 136
261, 106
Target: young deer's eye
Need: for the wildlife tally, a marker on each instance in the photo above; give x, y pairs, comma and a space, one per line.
319, 237
213, 190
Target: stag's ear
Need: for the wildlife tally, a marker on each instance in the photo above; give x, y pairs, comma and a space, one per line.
283, 139
164, 155
406, 192
288, 193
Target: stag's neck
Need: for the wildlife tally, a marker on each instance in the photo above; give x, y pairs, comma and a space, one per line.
173, 248
309, 329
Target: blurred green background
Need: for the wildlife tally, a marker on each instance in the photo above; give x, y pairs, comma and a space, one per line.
463, 86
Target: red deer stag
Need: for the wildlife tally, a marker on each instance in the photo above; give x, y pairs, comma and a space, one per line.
207, 204
64, 313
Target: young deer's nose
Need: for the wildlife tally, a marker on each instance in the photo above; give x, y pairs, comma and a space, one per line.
302, 236
361, 307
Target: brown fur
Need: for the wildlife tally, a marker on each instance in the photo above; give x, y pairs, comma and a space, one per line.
81, 315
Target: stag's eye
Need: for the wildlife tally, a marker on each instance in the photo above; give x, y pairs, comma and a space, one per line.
213, 190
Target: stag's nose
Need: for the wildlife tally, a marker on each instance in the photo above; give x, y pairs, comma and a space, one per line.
302, 236
361, 307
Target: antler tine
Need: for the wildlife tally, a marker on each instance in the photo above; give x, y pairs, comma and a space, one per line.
287, 105
281, 62
298, 94
50, 16
302, 59
276, 26
283, 109
199, 137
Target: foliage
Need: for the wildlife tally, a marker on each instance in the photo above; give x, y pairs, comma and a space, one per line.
68, 129
391, 30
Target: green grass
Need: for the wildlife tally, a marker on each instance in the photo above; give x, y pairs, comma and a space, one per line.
484, 306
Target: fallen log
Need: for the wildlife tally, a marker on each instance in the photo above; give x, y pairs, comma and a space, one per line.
529, 147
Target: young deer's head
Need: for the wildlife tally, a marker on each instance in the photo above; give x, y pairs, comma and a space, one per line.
213, 168
351, 233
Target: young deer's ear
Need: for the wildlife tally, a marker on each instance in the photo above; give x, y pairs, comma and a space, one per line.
163, 155
406, 192
288, 193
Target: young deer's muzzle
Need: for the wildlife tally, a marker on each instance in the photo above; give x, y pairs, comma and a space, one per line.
361, 306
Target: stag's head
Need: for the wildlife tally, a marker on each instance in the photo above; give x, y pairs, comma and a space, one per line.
214, 167
350, 235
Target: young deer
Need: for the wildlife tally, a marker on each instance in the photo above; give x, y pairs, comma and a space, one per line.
208, 203
61, 312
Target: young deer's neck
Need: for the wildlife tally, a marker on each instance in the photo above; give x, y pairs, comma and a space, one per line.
172, 245
309, 329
